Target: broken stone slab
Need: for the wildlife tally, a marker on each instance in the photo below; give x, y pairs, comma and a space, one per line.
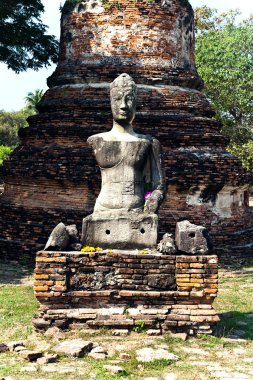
98, 353
114, 369
153, 332
73, 348
20, 349
4, 348
182, 336
14, 344
123, 332
31, 356
59, 238
191, 238
48, 359
40, 323
167, 245
148, 354
55, 333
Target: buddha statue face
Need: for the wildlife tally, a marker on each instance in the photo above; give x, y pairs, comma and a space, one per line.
123, 99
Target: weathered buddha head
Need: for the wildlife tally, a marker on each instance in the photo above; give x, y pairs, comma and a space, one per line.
123, 99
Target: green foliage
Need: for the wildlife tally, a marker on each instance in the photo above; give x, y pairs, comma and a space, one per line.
32, 100
10, 123
24, 43
139, 326
225, 61
244, 152
5, 152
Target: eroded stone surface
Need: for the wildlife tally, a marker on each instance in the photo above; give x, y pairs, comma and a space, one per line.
73, 348
191, 238
167, 244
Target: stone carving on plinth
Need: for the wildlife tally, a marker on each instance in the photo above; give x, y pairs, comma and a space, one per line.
133, 181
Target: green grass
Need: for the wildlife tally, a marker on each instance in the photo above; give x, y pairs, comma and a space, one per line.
17, 307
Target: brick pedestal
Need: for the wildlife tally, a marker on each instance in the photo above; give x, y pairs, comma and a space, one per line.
120, 288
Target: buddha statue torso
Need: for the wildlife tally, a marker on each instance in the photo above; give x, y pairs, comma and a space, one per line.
125, 168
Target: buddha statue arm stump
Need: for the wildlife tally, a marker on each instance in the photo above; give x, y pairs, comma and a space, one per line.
158, 179
129, 163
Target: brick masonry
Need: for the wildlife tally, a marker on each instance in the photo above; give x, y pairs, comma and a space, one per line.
118, 289
52, 176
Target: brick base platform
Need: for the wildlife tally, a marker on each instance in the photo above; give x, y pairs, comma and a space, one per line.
122, 288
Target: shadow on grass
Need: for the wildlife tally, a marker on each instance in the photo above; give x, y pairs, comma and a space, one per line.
14, 273
235, 325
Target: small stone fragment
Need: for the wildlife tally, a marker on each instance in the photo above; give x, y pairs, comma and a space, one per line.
40, 323
3, 347
73, 348
120, 332
148, 354
31, 356
114, 369
153, 332
182, 336
98, 353
73, 234
191, 238
55, 332
124, 356
167, 245
59, 238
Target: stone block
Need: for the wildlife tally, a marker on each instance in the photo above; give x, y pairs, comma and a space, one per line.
191, 238
135, 231
161, 281
74, 348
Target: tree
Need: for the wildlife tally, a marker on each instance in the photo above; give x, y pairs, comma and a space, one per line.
10, 123
5, 152
24, 43
224, 56
32, 99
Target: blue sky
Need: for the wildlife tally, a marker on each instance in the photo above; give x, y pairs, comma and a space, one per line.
14, 87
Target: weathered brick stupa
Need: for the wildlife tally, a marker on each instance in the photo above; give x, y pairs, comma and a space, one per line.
53, 177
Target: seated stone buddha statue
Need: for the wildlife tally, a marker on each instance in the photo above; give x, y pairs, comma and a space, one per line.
133, 183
